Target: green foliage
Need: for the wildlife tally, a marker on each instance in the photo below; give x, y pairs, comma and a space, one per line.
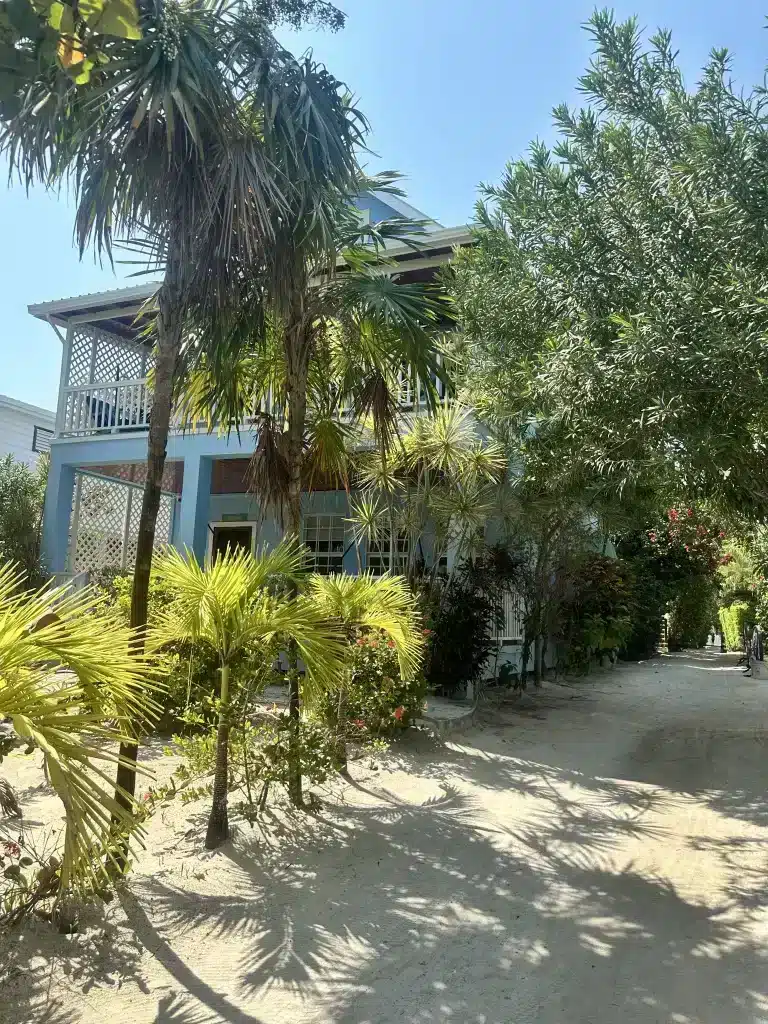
693, 612
74, 720
649, 598
737, 572
377, 698
733, 618
596, 614
22, 492
616, 293
258, 755
462, 616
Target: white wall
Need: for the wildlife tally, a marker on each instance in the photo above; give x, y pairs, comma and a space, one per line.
17, 428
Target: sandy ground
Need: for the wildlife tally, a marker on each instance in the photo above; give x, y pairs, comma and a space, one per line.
596, 854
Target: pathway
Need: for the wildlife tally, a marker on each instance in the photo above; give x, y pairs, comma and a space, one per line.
594, 855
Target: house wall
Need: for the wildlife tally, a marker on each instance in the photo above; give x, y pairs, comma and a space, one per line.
17, 428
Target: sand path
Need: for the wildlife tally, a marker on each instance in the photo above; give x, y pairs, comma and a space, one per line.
598, 855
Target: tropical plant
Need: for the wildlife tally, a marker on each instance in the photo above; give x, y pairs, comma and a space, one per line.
22, 493
615, 294
325, 331
693, 611
733, 620
596, 611
382, 625
64, 715
239, 602
198, 143
434, 488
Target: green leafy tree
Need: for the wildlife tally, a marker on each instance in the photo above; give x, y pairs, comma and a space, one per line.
22, 492
614, 300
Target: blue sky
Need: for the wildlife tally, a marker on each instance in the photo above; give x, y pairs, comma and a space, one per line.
452, 88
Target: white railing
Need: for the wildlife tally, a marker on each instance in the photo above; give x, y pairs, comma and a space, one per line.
105, 408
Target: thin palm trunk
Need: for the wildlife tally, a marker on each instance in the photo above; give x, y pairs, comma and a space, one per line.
168, 347
218, 822
297, 353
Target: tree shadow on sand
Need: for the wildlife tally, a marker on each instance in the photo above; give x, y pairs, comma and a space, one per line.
459, 921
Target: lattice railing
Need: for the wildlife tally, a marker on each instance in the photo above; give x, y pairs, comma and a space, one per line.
104, 386
104, 527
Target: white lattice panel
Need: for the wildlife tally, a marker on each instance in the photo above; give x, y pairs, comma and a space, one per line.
105, 524
514, 617
99, 357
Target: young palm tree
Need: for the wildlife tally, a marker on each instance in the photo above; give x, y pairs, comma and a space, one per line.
234, 604
386, 605
440, 477
64, 715
326, 329
193, 143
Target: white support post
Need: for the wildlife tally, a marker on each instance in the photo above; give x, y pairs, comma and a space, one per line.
66, 361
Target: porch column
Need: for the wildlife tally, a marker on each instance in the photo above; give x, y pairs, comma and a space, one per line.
195, 499
56, 515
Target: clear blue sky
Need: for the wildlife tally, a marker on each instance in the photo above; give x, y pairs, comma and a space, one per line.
452, 88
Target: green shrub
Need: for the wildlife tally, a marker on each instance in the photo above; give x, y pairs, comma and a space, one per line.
692, 613
596, 615
733, 618
649, 596
22, 492
375, 699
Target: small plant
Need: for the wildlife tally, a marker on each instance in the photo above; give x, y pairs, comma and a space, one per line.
596, 613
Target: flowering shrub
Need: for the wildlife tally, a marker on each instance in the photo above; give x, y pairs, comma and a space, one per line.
376, 700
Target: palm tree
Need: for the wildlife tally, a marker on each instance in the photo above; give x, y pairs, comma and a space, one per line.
439, 476
193, 143
64, 715
325, 330
234, 604
386, 605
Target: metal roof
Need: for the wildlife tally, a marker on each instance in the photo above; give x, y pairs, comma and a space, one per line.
116, 310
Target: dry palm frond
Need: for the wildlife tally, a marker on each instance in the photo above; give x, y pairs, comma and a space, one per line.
268, 474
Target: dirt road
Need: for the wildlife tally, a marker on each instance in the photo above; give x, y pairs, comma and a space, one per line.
598, 856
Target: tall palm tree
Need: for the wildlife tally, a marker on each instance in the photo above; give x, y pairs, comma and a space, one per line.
193, 143
325, 329
237, 603
64, 715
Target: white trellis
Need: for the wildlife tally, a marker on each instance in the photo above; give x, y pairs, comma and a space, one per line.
104, 383
104, 527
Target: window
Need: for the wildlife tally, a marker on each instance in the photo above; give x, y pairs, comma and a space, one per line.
41, 439
324, 536
379, 553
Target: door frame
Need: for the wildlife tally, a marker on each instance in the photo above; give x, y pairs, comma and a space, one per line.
221, 524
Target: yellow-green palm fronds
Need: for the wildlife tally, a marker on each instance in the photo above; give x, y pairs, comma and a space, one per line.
64, 715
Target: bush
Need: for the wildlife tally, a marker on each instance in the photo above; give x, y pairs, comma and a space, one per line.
375, 699
463, 617
22, 493
596, 615
648, 603
692, 613
189, 671
733, 619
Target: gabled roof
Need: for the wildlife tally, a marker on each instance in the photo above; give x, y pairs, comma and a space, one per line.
6, 402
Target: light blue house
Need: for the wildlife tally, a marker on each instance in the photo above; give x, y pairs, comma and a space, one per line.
99, 448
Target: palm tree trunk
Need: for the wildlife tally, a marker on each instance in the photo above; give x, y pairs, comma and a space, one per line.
297, 359
218, 822
168, 347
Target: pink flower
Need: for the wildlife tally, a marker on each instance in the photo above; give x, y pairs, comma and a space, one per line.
358, 722
390, 643
673, 515
361, 642
427, 632
689, 512
652, 537
373, 643
686, 547
399, 713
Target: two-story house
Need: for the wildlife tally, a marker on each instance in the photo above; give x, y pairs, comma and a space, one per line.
98, 452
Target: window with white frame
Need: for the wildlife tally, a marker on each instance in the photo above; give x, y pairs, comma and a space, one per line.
379, 558
324, 536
